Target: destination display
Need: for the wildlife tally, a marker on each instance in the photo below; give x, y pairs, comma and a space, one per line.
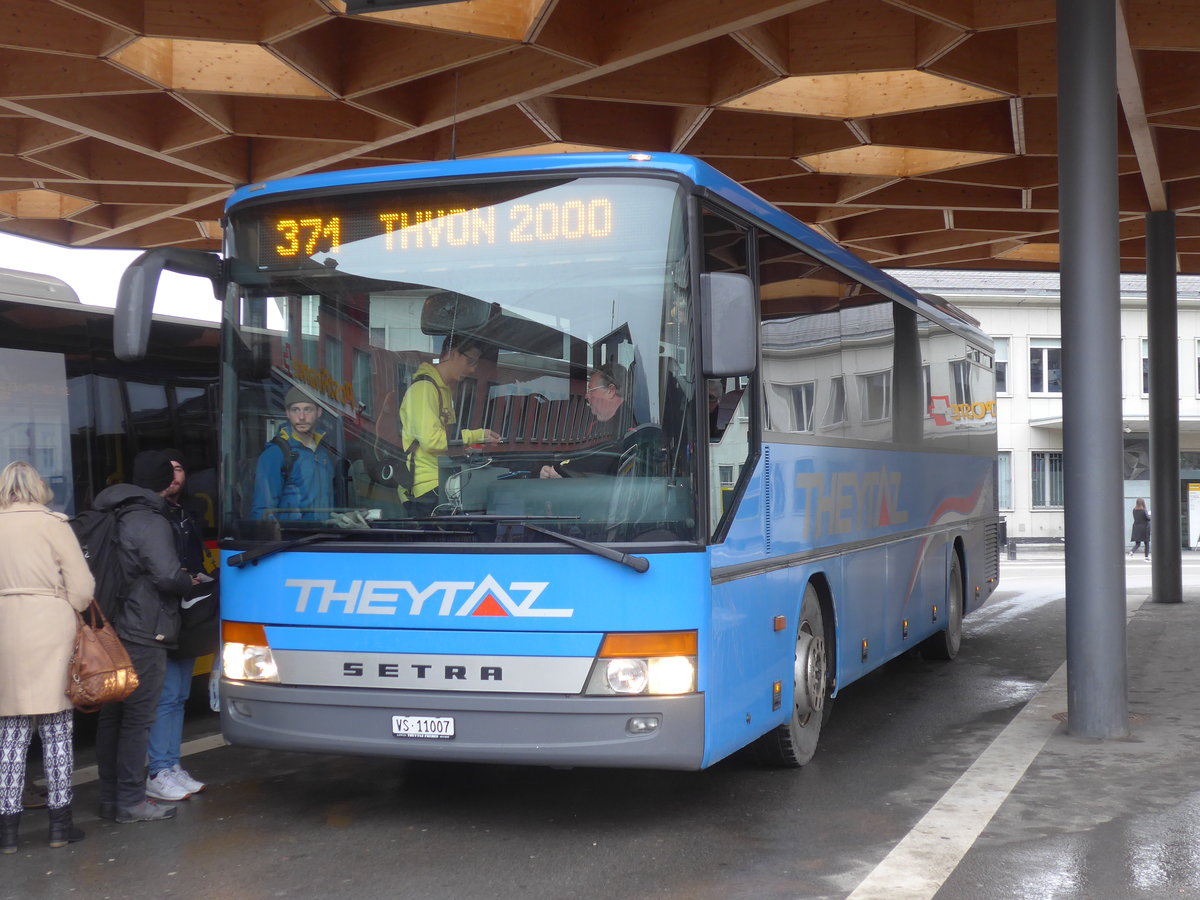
580, 213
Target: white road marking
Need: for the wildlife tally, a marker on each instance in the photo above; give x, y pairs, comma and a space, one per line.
919, 865
85, 774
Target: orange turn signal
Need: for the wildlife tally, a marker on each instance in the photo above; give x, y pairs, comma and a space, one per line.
651, 643
244, 633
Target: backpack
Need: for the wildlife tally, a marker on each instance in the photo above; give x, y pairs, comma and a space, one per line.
96, 532
397, 471
289, 457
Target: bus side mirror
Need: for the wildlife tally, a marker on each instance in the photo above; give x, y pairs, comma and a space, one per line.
730, 325
139, 284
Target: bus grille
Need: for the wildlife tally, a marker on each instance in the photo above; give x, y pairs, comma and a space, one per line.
991, 551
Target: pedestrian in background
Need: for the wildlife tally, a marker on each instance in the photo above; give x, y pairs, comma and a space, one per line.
1140, 533
43, 580
148, 624
197, 636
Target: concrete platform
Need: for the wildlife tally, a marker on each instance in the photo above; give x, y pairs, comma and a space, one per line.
1064, 817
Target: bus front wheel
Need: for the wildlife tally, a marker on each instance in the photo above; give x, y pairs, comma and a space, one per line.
793, 744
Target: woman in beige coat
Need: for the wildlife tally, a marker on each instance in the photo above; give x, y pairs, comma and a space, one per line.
43, 575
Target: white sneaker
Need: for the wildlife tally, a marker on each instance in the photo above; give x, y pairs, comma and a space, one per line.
186, 781
163, 786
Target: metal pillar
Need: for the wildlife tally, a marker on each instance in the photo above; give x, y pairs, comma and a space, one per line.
1097, 705
1163, 312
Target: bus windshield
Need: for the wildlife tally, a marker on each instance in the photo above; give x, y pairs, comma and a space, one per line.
454, 362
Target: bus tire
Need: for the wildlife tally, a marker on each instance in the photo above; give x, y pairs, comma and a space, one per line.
793, 743
945, 644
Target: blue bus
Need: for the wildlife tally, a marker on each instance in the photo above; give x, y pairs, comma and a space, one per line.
798, 483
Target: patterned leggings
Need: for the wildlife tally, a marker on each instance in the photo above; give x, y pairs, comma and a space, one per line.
57, 756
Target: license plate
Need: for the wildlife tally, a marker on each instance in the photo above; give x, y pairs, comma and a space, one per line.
435, 727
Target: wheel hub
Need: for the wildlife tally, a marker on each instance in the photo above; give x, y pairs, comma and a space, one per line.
810, 674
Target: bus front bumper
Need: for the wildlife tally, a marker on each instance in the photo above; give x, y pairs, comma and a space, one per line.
529, 729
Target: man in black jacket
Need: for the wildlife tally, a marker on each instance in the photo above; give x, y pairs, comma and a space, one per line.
148, 623
198, 635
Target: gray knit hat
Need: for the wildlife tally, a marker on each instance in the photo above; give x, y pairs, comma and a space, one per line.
295, 395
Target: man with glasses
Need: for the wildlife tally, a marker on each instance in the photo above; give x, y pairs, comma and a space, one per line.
428, 421
613, 421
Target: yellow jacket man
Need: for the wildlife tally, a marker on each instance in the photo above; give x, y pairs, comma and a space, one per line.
427, 419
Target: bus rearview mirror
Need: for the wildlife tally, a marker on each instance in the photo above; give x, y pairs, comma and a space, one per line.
730, 324
448, 312
139, 285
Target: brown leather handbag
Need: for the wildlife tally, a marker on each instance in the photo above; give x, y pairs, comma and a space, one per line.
100, 670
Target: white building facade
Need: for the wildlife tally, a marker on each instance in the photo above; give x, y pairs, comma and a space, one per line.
1020, 310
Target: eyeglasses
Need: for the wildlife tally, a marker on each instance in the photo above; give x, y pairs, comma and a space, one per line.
599, 387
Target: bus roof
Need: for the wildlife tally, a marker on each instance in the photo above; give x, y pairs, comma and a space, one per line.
694, 170
15, 285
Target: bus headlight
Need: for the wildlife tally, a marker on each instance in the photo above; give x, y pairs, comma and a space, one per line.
672, 675
654, 663
245, 653
627, 676
248, 662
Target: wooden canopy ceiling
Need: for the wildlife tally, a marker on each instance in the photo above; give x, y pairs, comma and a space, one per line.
918, 132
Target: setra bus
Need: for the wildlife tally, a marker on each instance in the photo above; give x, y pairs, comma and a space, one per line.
801, 485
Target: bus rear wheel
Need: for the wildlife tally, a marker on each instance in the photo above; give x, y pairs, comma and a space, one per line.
793, 744
945, 644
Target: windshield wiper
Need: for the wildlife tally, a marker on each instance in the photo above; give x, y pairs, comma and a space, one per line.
637, 563
253, 556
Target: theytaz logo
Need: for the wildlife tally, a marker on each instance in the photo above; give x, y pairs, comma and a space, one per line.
440, 598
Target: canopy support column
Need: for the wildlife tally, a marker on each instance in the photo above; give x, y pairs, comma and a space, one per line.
1097, 705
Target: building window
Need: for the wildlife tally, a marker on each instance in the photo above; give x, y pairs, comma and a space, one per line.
798, 401
1145, 367
333, 359
875, 396
1045, 366
1001, 358
310, 328
835, 409
960, 372
1046, 479
1004, 479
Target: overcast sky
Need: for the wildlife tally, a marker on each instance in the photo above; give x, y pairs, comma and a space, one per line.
94, 275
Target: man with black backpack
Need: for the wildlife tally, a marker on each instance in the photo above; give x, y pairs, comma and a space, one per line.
147, 619
294, 475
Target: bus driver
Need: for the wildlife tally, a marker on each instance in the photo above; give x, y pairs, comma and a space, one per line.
613, 420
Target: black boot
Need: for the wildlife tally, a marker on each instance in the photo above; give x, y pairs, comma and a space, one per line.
62, 829
8, 832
